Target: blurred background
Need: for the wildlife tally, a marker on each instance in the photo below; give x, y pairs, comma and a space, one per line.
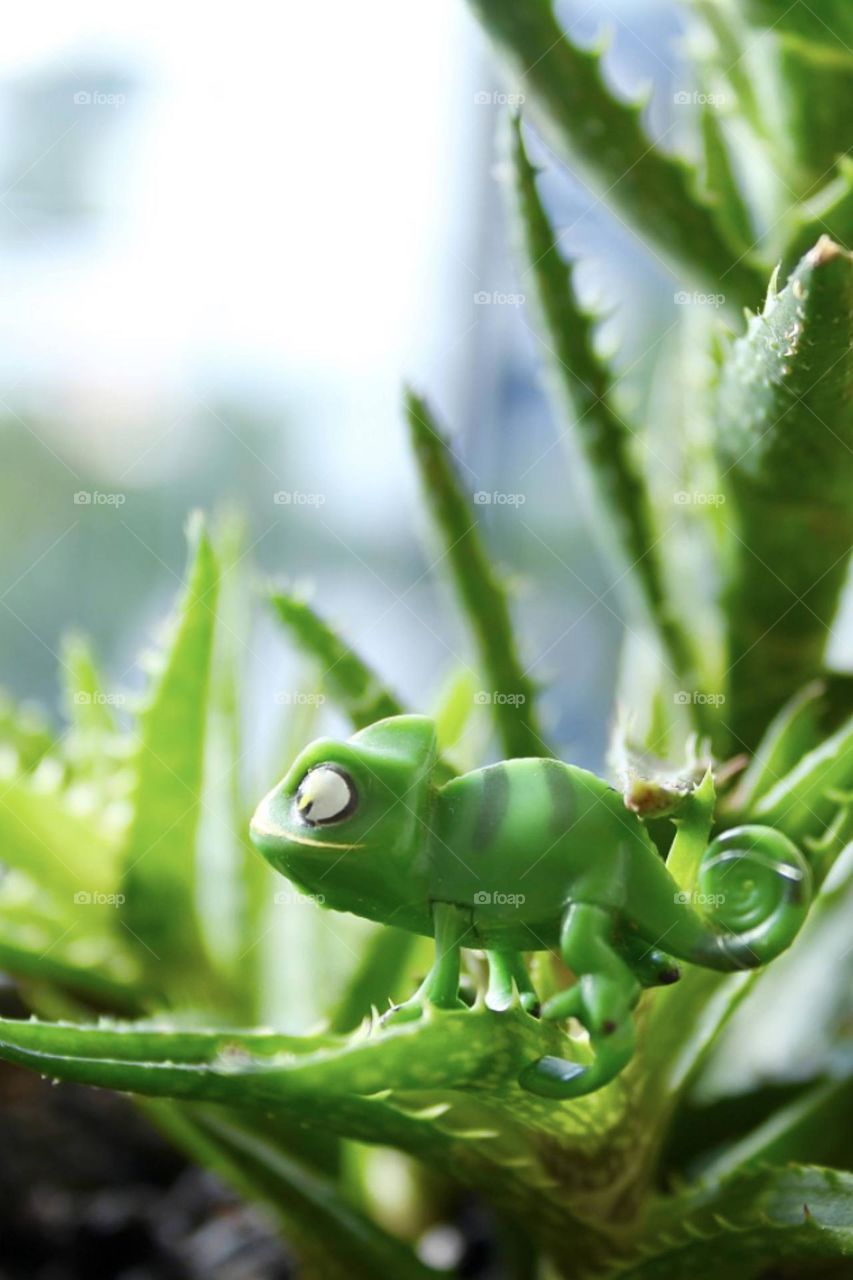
224, 248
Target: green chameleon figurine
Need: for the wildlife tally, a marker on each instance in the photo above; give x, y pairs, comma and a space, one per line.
526, 855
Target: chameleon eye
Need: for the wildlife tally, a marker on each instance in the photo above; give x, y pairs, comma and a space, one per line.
326, 794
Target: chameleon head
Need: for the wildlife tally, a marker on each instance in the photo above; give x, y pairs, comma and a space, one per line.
348, 821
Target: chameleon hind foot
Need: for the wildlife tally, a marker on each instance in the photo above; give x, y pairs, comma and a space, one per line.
602, 1000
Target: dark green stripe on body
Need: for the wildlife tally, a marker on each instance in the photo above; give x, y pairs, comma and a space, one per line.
494, 798
561, 792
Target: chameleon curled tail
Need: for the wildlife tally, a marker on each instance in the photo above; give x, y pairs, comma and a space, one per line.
751, 898
754, 889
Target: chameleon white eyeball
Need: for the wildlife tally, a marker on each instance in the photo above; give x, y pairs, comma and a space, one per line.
326, 794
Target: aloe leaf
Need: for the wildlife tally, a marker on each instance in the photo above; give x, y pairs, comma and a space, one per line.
88, 704
62, 851
812, 1128
25, 737
808, 51
805, 801
443, 1089
585, 381
160, 869
377, 977
721, 183
511, 692
234, 883
785, 438
330, 1236
793, 732
356, 688
753, 1221
95, 971
828, 212
603, 138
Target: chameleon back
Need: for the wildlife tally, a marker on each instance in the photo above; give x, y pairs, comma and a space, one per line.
516, 840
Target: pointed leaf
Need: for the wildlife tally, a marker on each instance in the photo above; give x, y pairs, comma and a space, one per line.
160, 853
583, 379
785, 424
603, 138
356, 688
750, 1223
511, 692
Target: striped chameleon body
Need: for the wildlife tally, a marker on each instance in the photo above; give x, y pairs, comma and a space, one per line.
527, 855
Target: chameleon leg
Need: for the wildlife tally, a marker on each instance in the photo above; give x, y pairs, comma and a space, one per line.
602, 1000
506, 967
441, 985
650, 966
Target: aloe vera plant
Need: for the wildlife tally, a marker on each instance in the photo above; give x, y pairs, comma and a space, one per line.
162, 958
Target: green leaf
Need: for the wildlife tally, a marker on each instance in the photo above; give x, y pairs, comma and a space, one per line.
356, 688
805, 801
790, 734
785, 437
813, 1127
87, 702
331, 1237
828, 212
721, 183
566, 98
511, 692
64, 852
828, 26
376, 979
753, 1221
160, 854
808, 53
584, 380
